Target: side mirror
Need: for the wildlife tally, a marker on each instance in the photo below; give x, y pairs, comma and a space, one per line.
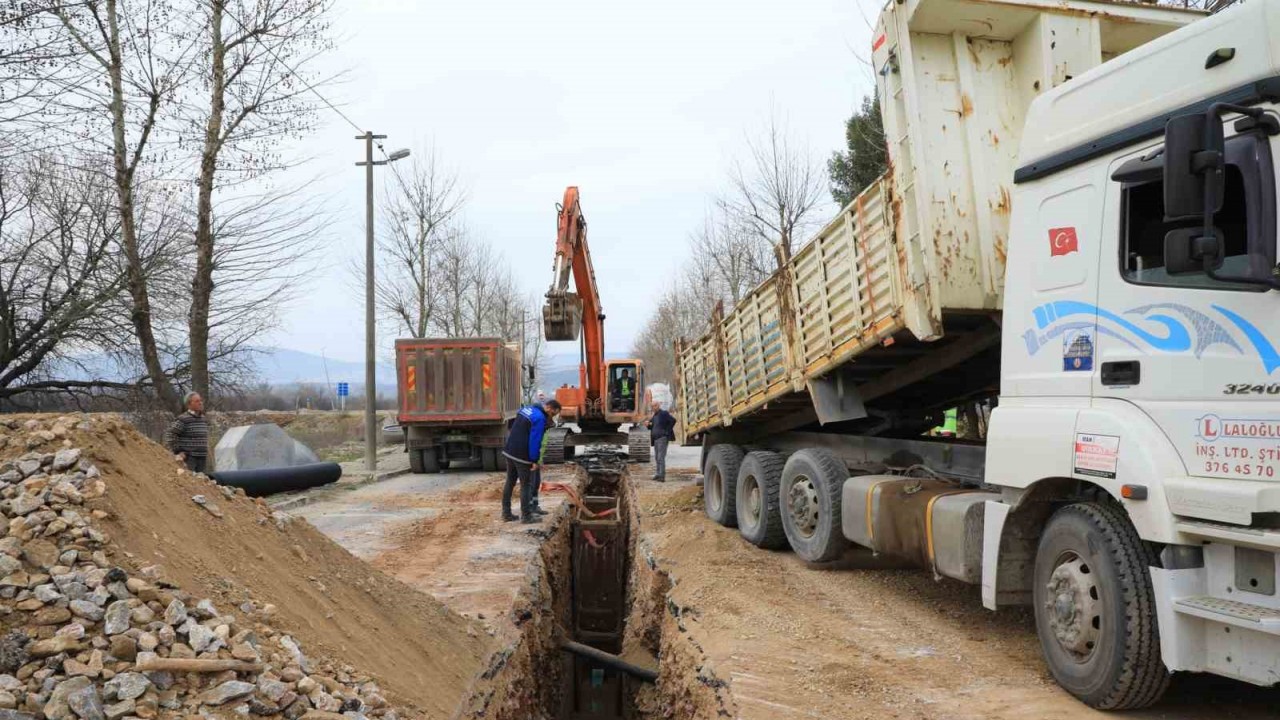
1188, 251
1193, 159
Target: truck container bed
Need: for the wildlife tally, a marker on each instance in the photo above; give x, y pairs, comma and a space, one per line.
455, 398
457, 380
891, 312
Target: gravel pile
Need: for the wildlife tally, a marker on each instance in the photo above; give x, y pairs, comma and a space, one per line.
85, 639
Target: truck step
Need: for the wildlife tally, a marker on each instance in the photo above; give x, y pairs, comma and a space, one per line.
1232, 534
1231, 612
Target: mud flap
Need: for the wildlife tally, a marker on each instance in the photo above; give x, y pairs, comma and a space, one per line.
993, 531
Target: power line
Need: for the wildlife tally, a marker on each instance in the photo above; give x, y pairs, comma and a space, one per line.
227, 11
294, 73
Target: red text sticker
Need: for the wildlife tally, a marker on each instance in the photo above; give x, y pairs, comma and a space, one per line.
876, 45
1063, 241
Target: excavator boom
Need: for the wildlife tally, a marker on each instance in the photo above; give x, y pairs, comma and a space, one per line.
566, 311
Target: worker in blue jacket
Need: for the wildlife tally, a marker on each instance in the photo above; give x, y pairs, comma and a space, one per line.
523, 450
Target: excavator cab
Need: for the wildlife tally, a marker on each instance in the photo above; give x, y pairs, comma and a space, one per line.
625, 386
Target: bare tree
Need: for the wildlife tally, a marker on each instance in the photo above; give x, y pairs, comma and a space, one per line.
422, 206
251, 62
485, 281
264, 245
114, 69
682, 313
453, 272
730, 256
778, 190
57, 278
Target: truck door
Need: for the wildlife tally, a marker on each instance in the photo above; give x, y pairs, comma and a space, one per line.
1199, 356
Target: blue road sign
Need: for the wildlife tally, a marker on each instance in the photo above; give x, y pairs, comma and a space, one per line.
344, 389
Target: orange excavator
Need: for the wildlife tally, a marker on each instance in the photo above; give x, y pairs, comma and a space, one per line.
610, 392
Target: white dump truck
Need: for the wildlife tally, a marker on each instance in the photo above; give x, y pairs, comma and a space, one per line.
1076, 240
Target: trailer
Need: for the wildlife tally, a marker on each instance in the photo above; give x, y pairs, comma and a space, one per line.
1076, 241
455, 399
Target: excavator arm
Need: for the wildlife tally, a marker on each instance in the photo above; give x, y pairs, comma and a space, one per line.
565, 311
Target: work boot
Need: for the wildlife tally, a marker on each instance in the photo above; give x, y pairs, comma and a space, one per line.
531, 519
508, 517
539, 511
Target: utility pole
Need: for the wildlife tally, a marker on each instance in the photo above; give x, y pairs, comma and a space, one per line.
370, 327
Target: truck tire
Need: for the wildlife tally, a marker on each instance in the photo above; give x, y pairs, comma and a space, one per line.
431, 461
809, 502
1095, 609
489, 459
720, 484
416, 461
759, 517
638, 445
555, 453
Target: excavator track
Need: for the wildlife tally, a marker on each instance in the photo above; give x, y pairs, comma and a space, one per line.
556, 451
638, 445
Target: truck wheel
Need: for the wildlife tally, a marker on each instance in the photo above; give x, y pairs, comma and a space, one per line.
638, 446
1095, 609
431, 461
809, 497
759, 519
415, 461
720, 484
489, 459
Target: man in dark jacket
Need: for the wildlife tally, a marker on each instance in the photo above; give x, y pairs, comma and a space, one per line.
188, 437
523, 450
662, 430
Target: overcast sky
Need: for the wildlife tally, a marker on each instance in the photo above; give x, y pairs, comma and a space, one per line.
642, 105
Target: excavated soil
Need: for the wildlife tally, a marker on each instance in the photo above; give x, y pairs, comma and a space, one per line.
773, 638
424, 656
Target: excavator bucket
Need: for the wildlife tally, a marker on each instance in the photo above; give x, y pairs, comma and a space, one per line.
561, 317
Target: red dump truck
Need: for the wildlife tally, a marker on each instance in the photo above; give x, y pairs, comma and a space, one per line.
455, 398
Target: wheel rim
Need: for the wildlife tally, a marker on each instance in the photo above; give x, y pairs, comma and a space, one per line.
802, 505
715, 491
751, 504
1073, 606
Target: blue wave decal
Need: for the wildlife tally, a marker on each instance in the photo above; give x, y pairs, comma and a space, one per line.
1208, 332
1177, 340
1266, 351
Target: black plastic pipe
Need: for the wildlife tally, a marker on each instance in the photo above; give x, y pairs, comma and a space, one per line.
608, 660
268, 481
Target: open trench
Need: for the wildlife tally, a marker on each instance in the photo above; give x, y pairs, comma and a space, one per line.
595, 583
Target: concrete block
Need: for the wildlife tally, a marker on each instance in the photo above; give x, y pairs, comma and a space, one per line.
254, 447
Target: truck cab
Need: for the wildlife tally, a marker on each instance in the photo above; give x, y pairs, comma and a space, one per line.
1147, 314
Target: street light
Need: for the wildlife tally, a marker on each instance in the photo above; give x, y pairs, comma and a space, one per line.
370, 374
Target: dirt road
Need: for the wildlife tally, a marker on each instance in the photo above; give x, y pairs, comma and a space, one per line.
439, 533
856, 639
862, 639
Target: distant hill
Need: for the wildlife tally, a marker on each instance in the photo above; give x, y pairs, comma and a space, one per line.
282, 366
279, 367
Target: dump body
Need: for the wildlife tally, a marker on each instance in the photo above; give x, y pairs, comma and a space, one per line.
455, 396
898, 296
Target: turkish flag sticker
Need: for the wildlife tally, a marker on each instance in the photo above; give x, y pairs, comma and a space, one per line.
1063, 241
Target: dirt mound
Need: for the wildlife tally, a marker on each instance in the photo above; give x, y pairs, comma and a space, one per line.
232, 550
